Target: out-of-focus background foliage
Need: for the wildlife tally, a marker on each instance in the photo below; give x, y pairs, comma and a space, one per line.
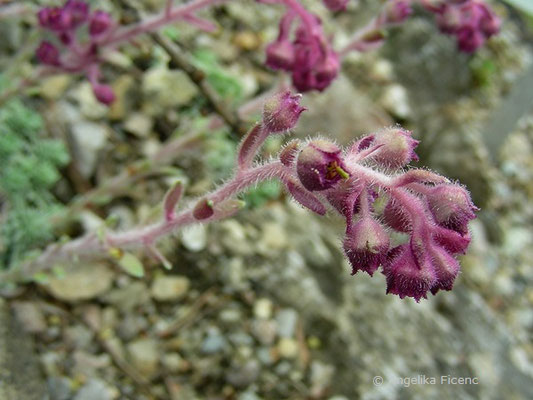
262, 306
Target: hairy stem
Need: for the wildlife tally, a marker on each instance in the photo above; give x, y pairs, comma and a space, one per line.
94, 245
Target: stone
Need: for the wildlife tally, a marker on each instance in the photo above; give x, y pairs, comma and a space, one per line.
30, 316
263, 308
243, 375
274, 238
59, 388
54, 87
85, 282
88, 139
173, 362
169, 288
288, 348
164, 88
214, 342
125, 88
144, 355
126, 298
287, 319
95, 389
194, 237
90, 107
139, 124
20, 375
265, 330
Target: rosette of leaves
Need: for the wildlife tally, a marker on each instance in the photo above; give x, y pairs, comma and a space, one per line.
28, 170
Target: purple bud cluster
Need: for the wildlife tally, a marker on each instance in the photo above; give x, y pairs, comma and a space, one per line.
432, 211
472, 22
306, 53
76, 34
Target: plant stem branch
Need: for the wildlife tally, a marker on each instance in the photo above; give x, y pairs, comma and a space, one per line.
94, 245
181, 61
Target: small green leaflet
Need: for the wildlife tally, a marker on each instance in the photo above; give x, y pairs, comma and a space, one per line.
131, 265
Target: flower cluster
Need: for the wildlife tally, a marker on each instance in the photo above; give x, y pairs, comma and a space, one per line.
431, 210
77, 33
307, 54
472, 22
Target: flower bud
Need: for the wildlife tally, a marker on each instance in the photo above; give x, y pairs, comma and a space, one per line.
451, 241
405, 277
490, 24
78, 12
280, 55
281, 112
104, 94
99, 23
397, 11
57, 19
469, 39
397, 148
44, 17
336, 5
396, 217
366, 245
327, 71
320, 165
446, 269
48, 54
452, 207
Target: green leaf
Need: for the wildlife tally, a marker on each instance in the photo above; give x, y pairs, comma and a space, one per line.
131, 265
523, 5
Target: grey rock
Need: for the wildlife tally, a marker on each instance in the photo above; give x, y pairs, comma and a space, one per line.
88, 139
214, 342
287, 319
244, 375
194, 237
144, 355
20, 377
131, 325
59, 388
139, 124
163, 89
94, 389
128, 297
30, 316
169, 288
85, 282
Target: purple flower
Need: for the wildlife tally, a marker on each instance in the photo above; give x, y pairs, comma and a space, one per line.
280, 55
281, 112
57, 19
336, 5
406, 276
452, 207
100, 22
469, 39
446, 269
472, 22
48, 54
309, 56
397, 148
396, 217
104, 94
320, 165
78, 12
366, 245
